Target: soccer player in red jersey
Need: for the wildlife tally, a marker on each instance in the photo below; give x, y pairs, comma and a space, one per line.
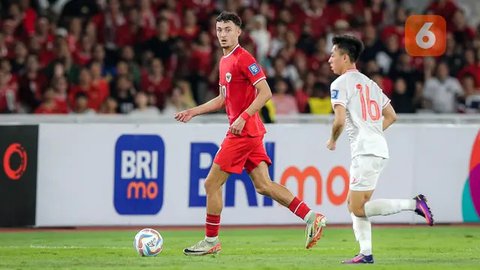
243, 92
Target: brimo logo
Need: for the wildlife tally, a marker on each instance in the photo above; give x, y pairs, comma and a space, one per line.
425, 35
140, 165
139, 174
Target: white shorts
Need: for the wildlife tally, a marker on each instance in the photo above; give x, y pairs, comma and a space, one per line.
364, 172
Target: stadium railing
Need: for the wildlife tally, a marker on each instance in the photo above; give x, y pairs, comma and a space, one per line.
23, 119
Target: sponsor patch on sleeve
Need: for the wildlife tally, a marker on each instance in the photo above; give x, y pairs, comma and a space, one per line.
254, 69
334, 94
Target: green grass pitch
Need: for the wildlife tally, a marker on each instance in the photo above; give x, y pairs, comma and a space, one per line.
410, 247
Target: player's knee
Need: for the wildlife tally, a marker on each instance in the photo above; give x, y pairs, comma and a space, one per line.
358, 212
210, 186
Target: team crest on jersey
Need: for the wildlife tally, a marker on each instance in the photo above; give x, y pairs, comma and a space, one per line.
254, 69
334, 94
228, 76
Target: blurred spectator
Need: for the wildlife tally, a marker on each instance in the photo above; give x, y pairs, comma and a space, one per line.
261, 37
471, 66
404, 68
442, 91
60, 87
190, 29
80, 104
162, 43
8, 92
397, 29
124, 94
384, 82
470, 103
109, 106
320, 101
178, 101
453, 55
374, 12
371, 42
155, 82
20, 60
281, 70
462, 33
444, 8
127, 54
283, 99
50, 105
402, 100
389, 54
142, 107
31, 84
95, 95
83, 53
108, 22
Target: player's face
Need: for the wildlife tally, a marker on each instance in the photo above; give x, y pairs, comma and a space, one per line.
337, 60
227, 34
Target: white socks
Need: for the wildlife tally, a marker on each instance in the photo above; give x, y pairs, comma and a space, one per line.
362, 228
385, 207
211, 239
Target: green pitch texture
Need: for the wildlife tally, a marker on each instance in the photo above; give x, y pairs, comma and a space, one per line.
413, 247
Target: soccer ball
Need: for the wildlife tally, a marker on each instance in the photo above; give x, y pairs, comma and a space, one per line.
148, 242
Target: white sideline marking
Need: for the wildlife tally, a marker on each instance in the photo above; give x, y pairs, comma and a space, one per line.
62, 247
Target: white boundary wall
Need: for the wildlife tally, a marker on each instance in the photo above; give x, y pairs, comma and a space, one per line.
76, 172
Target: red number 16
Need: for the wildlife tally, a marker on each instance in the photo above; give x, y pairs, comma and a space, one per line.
367, 104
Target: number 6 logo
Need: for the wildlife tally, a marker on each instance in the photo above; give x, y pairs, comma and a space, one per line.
425, 35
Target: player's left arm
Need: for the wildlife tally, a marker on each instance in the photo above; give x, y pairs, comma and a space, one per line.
338, 125
264, 93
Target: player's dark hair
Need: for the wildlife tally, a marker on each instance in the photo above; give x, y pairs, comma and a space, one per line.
226, 16
349, 45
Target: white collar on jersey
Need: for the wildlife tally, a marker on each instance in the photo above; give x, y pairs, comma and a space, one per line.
225, 56
351, 70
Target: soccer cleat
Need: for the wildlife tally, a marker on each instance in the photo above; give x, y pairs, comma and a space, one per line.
314, 229
360, 258
422, 209
203, 247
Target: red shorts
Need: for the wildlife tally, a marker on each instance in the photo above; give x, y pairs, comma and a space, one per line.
235, 153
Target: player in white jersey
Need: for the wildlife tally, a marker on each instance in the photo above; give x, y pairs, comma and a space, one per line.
361, 107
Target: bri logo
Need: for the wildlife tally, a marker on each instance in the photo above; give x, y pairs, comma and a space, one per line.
291, 175
139, 174
471, 190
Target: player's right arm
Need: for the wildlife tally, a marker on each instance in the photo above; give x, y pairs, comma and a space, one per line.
213, 105
389, 116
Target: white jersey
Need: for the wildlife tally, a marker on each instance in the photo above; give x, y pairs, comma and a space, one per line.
364, 102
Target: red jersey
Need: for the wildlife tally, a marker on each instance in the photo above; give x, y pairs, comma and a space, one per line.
239, 73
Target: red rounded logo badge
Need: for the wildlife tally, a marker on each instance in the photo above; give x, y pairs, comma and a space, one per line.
15, 149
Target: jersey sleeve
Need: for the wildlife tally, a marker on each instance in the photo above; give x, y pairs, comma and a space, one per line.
338, 93
250, 68
385, 100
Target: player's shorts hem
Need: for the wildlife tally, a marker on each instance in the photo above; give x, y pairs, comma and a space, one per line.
228, 170
361, 189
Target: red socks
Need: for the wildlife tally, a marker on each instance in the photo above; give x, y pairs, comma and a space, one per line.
212, 225
299, 208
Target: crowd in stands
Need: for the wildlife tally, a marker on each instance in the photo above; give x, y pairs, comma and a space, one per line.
161, 56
